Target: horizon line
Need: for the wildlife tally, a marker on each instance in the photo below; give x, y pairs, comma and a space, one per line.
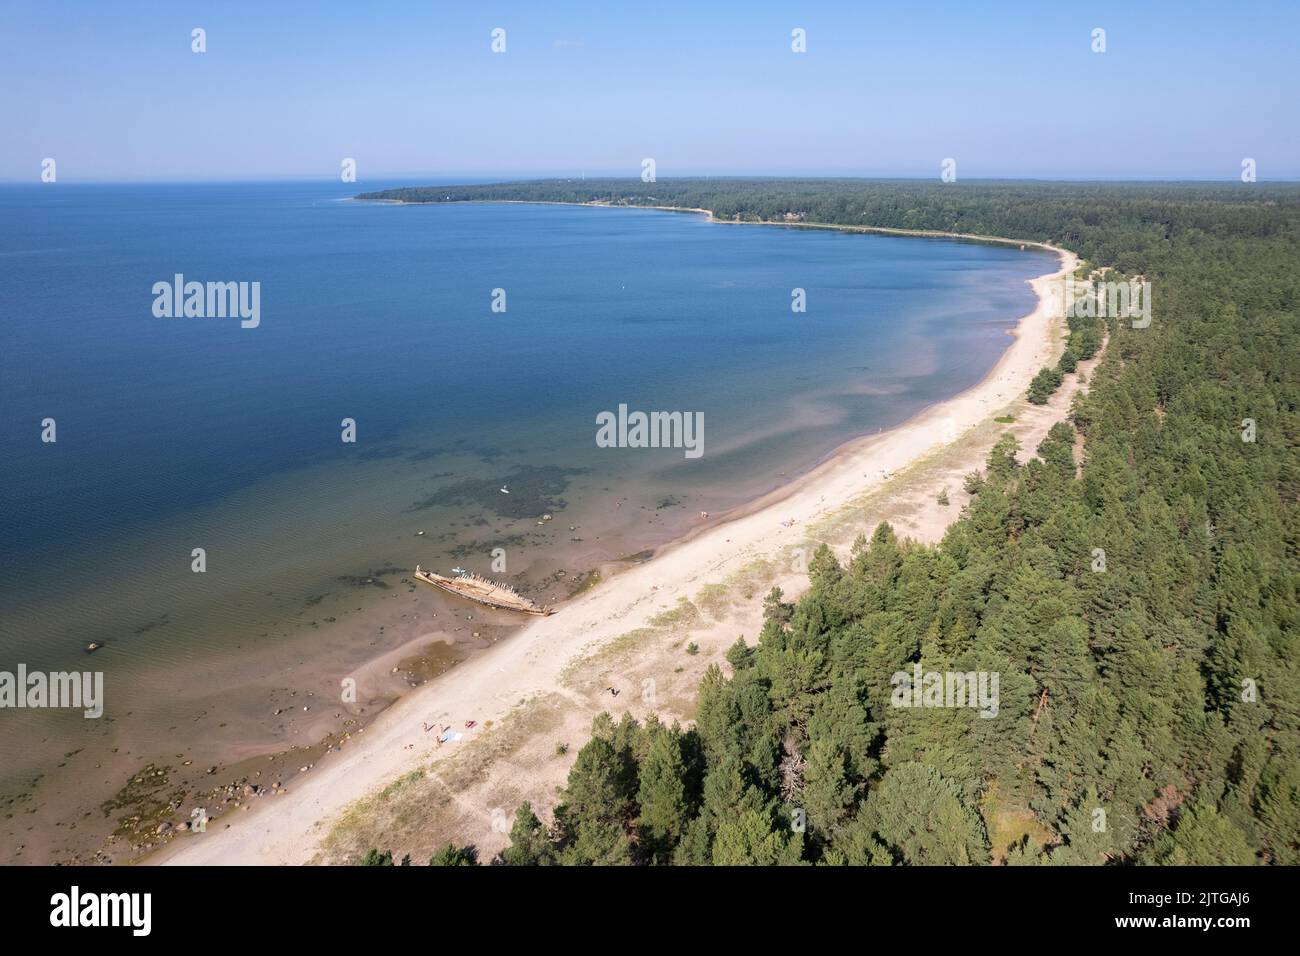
479, 179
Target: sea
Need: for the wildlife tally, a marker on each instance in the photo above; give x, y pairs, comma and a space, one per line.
228, 510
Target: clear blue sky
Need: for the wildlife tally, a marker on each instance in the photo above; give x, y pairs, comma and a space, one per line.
112, 91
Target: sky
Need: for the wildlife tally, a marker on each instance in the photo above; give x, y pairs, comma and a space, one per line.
113, 90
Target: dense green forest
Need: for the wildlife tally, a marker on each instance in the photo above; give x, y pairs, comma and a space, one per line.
1141, 615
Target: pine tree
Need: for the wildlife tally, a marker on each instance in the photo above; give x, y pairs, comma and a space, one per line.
752, 839
597, 806
452, 855
920, 816
663, 796
530, 844
1202, 837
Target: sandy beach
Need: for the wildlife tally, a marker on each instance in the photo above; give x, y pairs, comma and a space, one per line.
623, 644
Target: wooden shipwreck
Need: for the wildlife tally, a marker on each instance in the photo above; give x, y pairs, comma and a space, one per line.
482, 590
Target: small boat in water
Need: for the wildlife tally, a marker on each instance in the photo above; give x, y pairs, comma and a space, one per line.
482, 590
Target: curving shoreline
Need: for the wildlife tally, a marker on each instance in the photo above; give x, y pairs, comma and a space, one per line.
292, 829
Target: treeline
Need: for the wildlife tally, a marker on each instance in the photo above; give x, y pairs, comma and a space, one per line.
1141, 618
1132, 223
1085, 338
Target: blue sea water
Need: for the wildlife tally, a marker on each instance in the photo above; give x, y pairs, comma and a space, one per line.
175, 433
382, 314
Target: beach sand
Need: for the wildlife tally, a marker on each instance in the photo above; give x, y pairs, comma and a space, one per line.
395, 788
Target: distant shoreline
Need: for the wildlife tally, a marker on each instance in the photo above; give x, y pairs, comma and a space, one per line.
794, 224
533, 663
